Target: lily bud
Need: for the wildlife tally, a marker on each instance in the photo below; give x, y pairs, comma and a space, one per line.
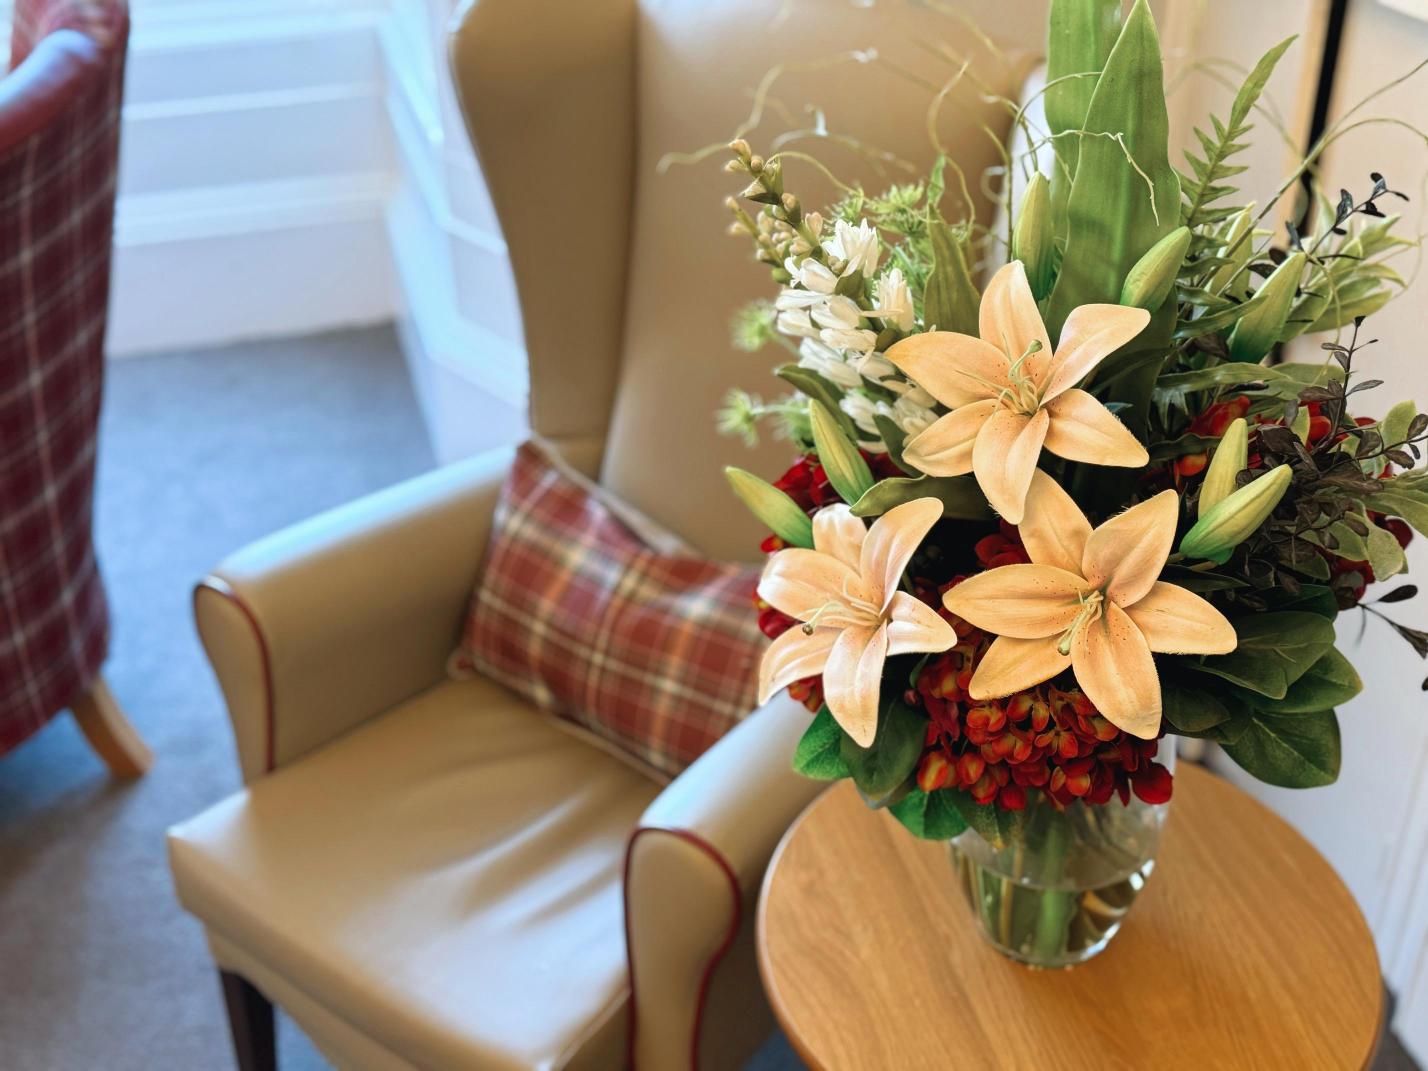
1234, 519
774, 508
1229, 461
846, 470
1238, 249
1031, 238
1152, 279
1267, 312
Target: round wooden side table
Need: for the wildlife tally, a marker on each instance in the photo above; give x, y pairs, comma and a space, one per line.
1245, 950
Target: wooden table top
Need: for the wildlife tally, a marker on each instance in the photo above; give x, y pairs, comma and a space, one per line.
1245, 950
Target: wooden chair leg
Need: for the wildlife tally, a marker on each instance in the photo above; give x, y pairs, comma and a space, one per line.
250, 1017
110, 734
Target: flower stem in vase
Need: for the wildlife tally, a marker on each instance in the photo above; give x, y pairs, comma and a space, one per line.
1056, 907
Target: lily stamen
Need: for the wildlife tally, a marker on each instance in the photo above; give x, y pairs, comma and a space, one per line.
1090, 611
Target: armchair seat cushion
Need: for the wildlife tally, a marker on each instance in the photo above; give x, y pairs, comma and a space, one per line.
445, 879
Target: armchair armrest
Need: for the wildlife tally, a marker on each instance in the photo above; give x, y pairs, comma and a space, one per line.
693, 872
317, 628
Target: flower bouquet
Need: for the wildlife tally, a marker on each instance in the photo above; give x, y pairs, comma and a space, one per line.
1037, 526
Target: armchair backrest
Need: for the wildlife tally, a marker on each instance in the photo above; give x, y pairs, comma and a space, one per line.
626, 280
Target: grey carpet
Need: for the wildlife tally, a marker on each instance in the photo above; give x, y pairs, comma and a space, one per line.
200, 453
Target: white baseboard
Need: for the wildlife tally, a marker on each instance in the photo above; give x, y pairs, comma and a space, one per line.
218, 264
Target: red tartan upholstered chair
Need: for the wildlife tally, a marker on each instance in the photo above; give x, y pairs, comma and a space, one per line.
426, 872
59, 142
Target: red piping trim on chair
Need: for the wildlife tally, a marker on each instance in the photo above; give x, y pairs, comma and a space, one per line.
696, 841
224, 590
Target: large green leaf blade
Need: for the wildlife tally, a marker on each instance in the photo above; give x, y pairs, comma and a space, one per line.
1119, 207
1290, 750
1080, 36
930, 815
880, 769
1274, 651
960, 496
819, 754
1327, 683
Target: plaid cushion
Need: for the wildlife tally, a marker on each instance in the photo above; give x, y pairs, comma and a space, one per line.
56, 217
655, 652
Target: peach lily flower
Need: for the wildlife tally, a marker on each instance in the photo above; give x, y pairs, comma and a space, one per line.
1010, 395
1089, 601
845, 591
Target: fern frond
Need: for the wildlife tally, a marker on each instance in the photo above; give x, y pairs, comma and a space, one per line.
1208, 184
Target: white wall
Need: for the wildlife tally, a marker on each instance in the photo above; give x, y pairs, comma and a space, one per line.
290, 166
255, 164
1373, 824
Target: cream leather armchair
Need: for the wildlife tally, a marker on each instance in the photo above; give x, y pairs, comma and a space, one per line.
426, 873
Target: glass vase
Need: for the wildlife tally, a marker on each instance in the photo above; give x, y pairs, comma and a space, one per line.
1057, 890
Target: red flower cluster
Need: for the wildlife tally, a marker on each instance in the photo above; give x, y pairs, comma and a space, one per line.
1046, 737
1212, 423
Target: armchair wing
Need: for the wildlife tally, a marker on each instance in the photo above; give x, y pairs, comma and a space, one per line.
321, 626
692, 877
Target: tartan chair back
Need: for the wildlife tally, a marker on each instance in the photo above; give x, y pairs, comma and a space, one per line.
59, 141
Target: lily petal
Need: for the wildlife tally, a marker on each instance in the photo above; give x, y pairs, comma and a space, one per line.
1025, 602
1126, 554
837, 532
852, 679
1008, 318
891, 543
1012, 665
793, 656
1176, 621
799, 582
1082, 429
915, 627
1053, 528
945, 448
955, 369
1090, 335
1004, 458
1114, 668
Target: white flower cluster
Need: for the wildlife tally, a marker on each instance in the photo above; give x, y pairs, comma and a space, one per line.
835, 332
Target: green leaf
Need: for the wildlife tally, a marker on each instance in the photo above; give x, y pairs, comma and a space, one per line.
838, 454
1079, 39
1290, 750
1191, 710
951, 300
809, 382
1200, 581
960, 496
1119, 207
1313, 598
931, 816
1412, 506
881, 768
893, 438
1327, 683
819, 754
1274, 651
994, 825
1385, 556
1394, 426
